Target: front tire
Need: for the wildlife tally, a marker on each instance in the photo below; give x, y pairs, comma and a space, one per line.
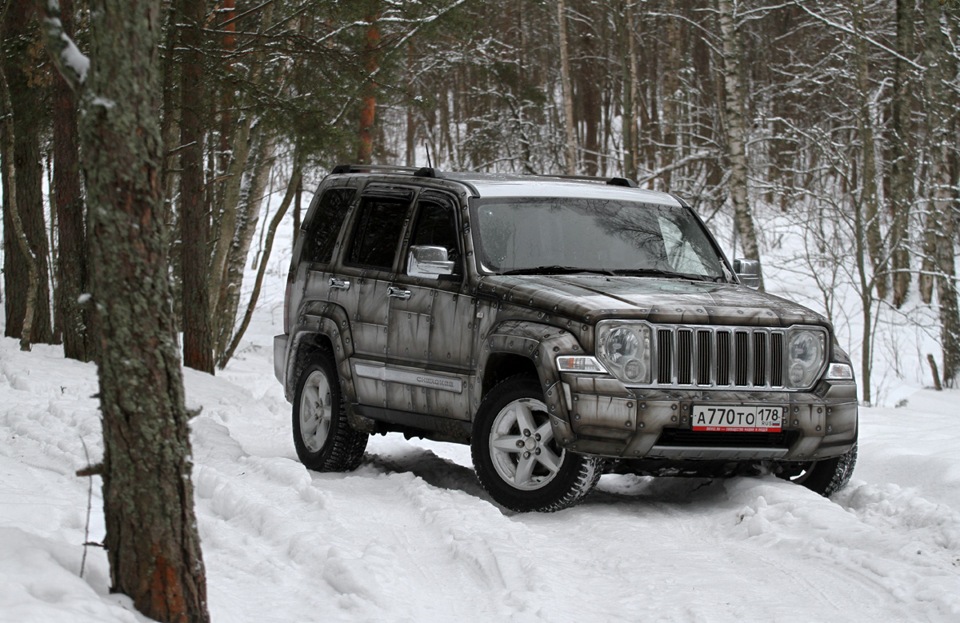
825, 477
517, 459
323, 438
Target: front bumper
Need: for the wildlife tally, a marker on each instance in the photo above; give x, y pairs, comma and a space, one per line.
606, 418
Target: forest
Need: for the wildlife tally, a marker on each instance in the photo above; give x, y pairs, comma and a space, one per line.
151, 149
842, 117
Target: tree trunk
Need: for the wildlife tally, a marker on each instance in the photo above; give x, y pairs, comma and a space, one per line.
736, 132
869, 197
631, 156
12, 211
292, 185
68, 198
228, 298
672, 66
194, 220
151, 532
569, 123
368, 109
26, 107
901, 156
941, 224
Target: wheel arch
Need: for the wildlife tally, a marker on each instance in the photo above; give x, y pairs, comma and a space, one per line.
321, 326
524, 347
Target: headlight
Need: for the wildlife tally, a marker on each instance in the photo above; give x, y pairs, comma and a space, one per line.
624, 349
805, 356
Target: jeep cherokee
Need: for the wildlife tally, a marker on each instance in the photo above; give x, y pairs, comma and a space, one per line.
562, 327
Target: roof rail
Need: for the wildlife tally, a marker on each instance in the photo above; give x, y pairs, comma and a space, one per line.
611, 181
386, 168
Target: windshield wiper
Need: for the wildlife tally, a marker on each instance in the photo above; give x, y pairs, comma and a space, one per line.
556, 269
652, 272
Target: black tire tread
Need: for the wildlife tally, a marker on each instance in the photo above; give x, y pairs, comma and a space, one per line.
343, 451
588, 470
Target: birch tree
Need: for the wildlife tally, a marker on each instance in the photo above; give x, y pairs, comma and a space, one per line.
736, 135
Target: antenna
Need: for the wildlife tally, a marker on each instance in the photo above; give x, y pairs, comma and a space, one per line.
426, 146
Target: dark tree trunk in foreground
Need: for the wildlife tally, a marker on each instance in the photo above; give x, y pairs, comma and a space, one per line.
151, 532
194, 222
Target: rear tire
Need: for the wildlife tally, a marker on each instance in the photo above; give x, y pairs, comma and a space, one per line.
323, 438
825, 477
517, 459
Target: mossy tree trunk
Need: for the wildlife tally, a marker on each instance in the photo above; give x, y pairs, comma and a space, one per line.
151, 531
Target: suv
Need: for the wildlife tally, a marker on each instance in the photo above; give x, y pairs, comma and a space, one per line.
563, 327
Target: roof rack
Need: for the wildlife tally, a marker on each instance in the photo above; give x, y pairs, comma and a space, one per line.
386, 168
610, 181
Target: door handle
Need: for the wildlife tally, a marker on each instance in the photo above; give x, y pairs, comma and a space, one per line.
339, 284
398, 293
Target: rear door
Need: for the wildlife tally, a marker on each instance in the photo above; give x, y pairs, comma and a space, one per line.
363, 283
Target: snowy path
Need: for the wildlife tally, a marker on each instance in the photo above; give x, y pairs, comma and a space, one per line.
411, 537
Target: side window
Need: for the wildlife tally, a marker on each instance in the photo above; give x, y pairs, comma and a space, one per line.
437, 226
321, 234
376, 235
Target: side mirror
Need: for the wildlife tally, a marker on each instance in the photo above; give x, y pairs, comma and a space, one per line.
748, 272
428, 261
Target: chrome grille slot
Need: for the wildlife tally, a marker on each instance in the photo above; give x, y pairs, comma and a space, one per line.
759, 358
723, 357
742, 358
776, 359
684, 339
704, 356
665, 360
734, 357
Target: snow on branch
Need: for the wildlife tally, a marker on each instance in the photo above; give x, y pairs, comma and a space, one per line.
68, 58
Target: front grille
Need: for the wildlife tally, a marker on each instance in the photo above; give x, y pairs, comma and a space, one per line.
730, 357
678, 437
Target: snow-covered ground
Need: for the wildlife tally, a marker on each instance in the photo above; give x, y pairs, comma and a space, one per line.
410, 536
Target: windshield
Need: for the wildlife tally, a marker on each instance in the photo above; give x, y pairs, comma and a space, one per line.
566, 235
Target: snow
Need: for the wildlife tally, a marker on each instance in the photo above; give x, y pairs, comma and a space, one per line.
410, 536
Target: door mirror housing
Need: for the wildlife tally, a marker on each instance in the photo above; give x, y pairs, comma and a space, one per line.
748, 272
428, 261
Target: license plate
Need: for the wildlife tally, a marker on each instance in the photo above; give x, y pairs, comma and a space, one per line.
740, 419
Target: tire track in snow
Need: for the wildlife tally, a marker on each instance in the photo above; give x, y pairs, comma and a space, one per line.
890, 542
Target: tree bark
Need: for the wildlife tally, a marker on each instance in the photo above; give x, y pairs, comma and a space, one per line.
26, 108
869, 197
901, 156
292, 185
68, 198
941, 224
736, 131
151, 532
194, 219
228, 298
569, 123
368, 109
631, 143
12, 212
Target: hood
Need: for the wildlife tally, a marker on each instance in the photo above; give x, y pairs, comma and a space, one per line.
590, 297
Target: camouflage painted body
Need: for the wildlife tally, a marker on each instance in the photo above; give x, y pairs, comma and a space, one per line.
418, 355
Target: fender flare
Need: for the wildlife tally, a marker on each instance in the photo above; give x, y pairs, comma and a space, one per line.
541, 344
330, 321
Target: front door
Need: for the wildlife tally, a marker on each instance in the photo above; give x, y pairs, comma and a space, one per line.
430, 343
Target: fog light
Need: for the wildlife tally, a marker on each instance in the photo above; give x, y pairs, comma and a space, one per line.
634, 370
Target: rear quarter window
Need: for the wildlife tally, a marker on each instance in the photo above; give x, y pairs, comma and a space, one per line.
322, 231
